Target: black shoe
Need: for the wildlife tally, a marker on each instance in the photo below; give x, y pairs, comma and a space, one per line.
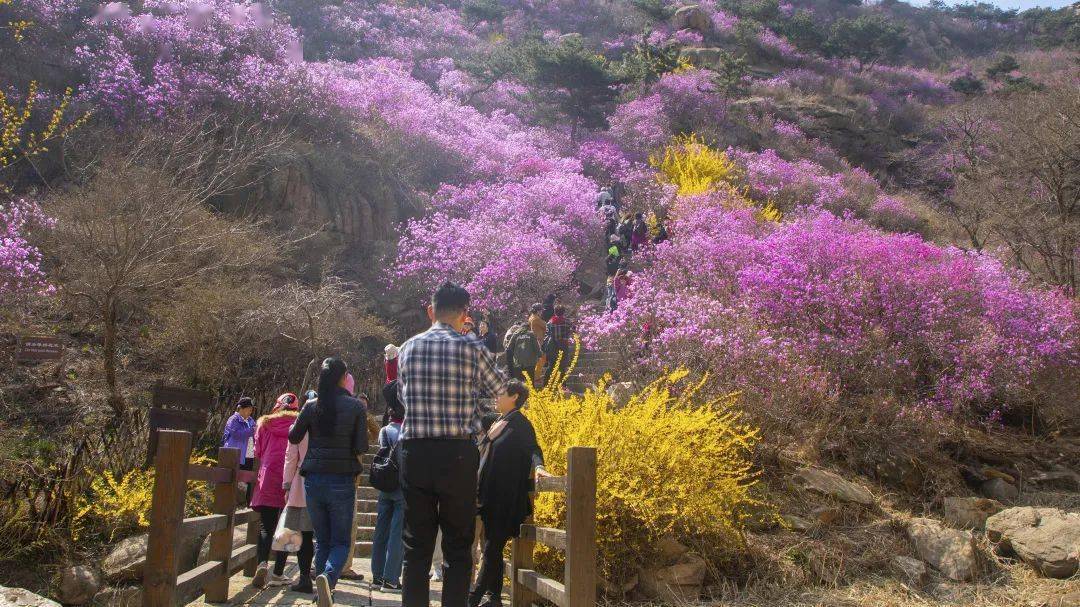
475, 598
491, 601
303, 586
376, 581
391, 586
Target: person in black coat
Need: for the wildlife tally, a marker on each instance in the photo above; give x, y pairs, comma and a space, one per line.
335, 424
509, 455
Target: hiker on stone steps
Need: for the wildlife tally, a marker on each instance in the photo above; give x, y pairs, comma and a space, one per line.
336, 426
296, 514
271, 441
386, 546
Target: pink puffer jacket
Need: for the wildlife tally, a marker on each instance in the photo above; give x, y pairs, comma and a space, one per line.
294, 456
271, 441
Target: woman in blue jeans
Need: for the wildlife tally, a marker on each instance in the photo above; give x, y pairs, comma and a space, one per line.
386, 547
336, 426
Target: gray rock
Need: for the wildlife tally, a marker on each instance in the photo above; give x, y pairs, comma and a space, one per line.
621, 392
1000, 489
122, 596
678, 583
827, 515
1063, 479
78, 585
970, 512
912, 571
950, 551
1069, 600
797, 523
239, 538
691, 17
19, 597
670, 548
124, 563
833, 485
1047, 539
701, 57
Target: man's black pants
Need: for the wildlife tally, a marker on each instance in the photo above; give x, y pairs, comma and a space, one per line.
439, 481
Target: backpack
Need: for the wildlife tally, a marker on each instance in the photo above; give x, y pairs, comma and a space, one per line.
525, 351
513, 332
384, 474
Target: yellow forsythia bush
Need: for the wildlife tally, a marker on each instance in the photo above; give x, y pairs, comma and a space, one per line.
692, 166
116, 507
668, 461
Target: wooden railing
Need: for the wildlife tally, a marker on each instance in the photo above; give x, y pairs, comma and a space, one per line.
163, 584
577, 541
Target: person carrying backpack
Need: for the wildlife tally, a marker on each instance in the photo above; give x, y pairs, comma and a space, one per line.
387, 548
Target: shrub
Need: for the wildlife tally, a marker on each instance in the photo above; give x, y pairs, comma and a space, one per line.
669, 462
118, 507
692, 166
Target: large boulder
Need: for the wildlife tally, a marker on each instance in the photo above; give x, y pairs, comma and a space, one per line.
1000, 489
1048, 539
125, 561
670, 548
78, 585
950, 551
239, 538
970, 512
678, 583
121, 596
912, 571
701, 57
19, 597
833, 485
693, 18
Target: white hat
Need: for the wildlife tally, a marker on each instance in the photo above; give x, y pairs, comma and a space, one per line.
390, 351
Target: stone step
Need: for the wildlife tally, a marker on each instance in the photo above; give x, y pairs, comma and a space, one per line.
367, 505
367, 493
366, 519
365, 533
363, 549
366, 459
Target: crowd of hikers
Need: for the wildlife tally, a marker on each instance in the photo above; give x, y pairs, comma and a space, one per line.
454, 446
624, 235
456, 461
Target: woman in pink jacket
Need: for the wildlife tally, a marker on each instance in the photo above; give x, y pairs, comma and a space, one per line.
296, 514
271, 442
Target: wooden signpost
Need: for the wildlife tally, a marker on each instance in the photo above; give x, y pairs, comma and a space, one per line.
33, 348
176, 408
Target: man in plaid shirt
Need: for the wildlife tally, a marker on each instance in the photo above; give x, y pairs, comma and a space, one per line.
443, 375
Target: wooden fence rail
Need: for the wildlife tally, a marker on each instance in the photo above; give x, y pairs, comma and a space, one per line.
163, 584
578, 541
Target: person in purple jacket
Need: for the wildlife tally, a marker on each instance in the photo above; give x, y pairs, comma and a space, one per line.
240, 428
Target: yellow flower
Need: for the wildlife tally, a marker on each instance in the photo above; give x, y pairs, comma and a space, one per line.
693, 166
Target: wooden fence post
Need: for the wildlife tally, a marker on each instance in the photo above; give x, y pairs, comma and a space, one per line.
166, 516
521, 557
217, 590
580, 572
254, 523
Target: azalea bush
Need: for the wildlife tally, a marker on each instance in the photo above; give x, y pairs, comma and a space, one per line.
819, 307
20, 260
670, 462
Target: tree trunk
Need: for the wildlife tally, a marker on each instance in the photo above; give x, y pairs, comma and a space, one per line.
115, 399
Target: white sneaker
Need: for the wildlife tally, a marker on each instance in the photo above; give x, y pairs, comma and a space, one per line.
277, 580
323, 596
259, 581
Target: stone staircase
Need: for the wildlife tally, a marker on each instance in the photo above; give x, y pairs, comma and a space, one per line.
367, 498
591, 366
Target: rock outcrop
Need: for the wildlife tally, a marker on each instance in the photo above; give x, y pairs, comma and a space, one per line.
19, 597
678, 583
78, 585
1048, 539
833, 485
950, 551
692, 17
970, 512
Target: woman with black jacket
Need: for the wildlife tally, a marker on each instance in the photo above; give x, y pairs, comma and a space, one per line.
509, 455
336, 426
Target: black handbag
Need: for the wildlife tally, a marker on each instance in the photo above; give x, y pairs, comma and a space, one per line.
385, 475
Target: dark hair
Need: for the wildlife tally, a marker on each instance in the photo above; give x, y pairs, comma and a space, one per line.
333, 369
244, 403
560, 310
550, 299
449, 297
516, 387
536, 308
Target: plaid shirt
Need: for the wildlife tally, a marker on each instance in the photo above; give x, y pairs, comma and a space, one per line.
443, 376
560, 332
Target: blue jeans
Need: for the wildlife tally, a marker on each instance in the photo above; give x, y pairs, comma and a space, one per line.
331, 501
387, 548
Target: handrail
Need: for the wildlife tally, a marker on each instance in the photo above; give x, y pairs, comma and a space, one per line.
164, 584
578, 541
